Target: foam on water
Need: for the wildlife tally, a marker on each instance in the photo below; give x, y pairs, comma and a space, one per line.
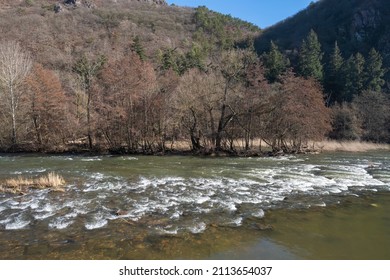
236, 222
259, 214
167, 230
31, 171
176, 215
321, 204
226, 193
19, 222
61, 223
92, 159
202, 199
96, 224
129, 158
198, 228
5, 221
43, 215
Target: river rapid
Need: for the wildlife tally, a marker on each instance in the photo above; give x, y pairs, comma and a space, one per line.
328, 206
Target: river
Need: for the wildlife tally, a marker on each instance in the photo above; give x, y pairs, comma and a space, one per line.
327, 206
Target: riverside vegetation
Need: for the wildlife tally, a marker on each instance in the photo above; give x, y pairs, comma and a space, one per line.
21, 185
100, 76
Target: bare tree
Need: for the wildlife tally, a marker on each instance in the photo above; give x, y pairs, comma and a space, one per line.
47, 107
372, 110
87, 70
15, 65
195, 104
232, 66
298, 115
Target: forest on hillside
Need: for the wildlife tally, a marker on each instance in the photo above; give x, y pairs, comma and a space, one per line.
104, 79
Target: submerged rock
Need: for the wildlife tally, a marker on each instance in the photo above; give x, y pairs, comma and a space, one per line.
121, 213
262, 227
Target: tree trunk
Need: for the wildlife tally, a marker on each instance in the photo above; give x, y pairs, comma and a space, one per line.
195, 141
221, 126
89, 132
13, 114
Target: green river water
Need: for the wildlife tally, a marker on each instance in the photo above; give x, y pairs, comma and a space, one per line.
328, 206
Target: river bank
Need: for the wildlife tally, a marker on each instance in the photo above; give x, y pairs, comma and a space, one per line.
183, 148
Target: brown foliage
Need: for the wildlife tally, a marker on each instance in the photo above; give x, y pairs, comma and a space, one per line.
130, 106
372, 110
299, 114
47, 107
125, 106
345, 124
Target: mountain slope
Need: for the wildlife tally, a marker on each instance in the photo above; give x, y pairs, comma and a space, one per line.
57, 37
357, 25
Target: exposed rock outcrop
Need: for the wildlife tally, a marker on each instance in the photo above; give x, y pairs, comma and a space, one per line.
78, 3
158, 2
364, 22
59, 7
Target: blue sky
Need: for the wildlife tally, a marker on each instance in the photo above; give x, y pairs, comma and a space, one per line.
263, 13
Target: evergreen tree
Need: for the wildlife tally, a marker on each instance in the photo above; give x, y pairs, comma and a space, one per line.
181, 63
374, 71
275, 63
310, 57
354, 74
168, 59
138, 48
333, 78
193, 58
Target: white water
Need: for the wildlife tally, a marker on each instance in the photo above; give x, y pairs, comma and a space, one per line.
225, 193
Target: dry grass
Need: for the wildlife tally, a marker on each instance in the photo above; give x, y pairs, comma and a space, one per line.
50, 181
348, 146
320, 146
18, 182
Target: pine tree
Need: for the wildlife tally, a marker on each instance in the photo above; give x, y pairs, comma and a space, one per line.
310, 57
168, 60
138, 48
195, 57
374, 71
354, 76
333, 77
275, 63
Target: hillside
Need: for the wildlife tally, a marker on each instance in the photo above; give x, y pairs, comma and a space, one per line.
357, 26
85, 58
58, 31
109, 26
139, 76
